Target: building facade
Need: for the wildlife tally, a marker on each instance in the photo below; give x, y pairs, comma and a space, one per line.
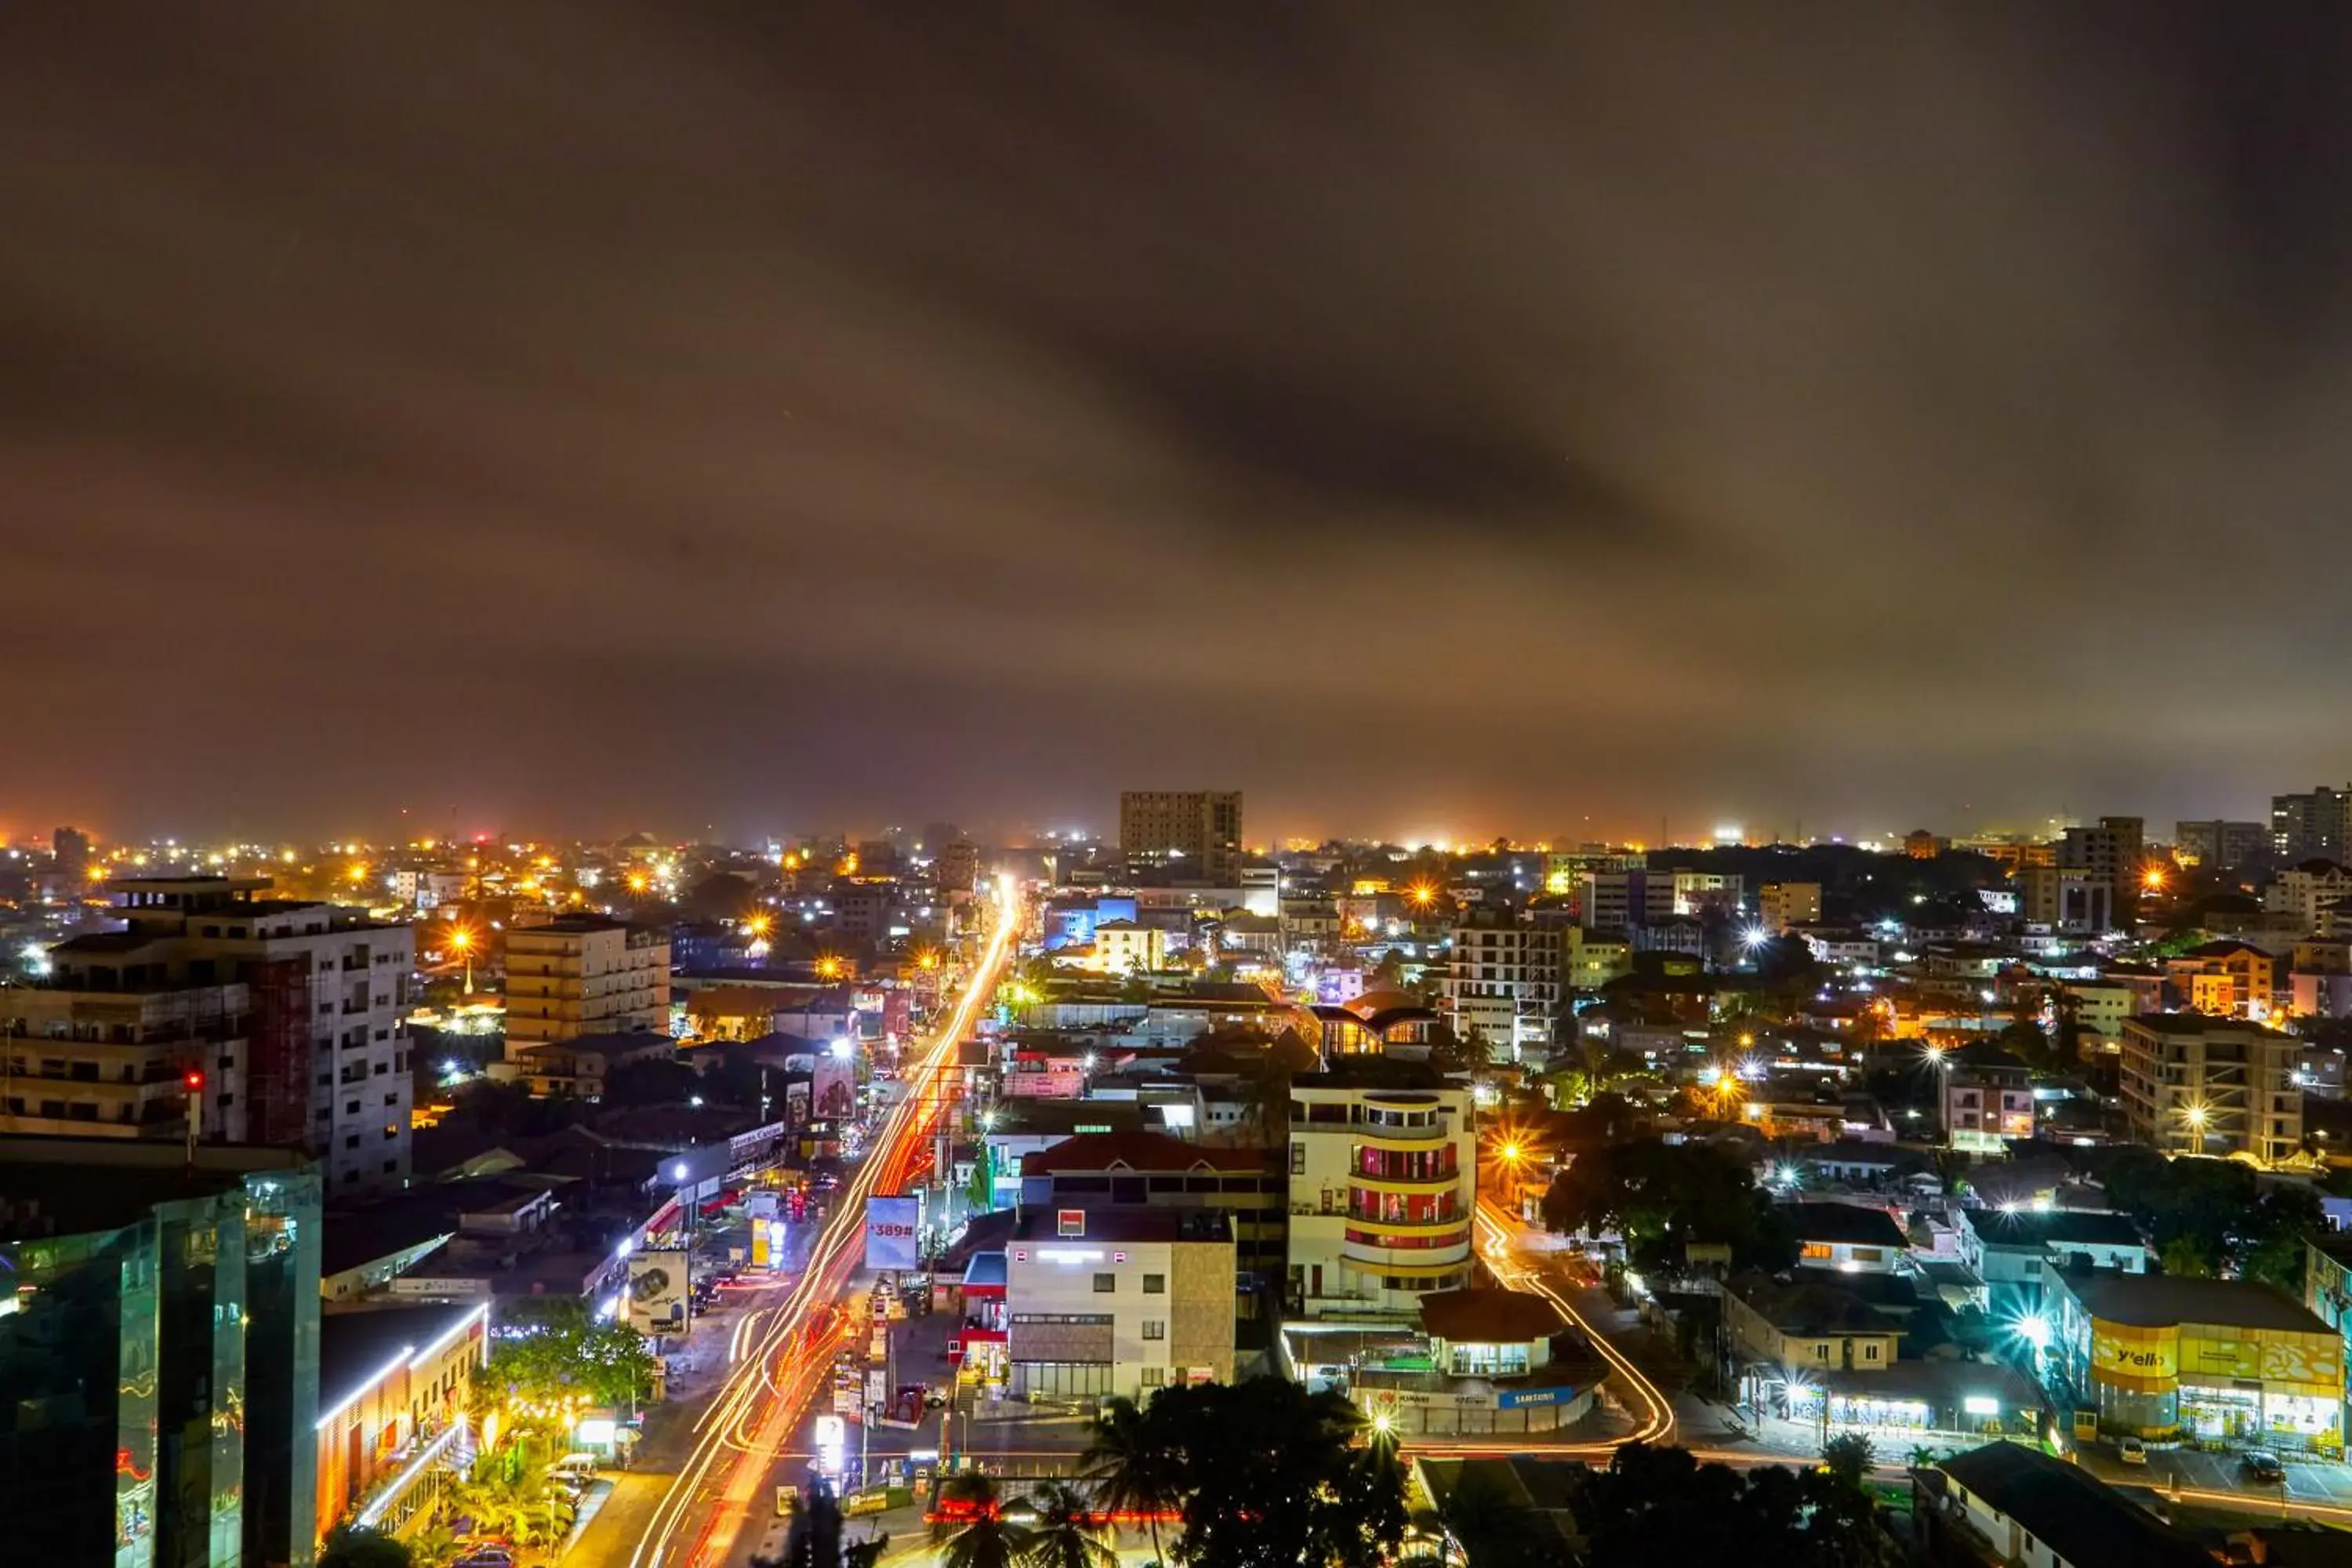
2219, 845
1192, 835
1383, 1194
159, 1354
2219, 1361
1781, 905
1128, 1301
2317, 826
395, 1385
2199, 1084
294, 1014
585, 975
1503, 981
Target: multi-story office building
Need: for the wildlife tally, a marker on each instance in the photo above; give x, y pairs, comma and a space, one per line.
293, 1012
159, 1355
2067, 899
2219, 845
583, 974
1700, 893
1123, 1301
1625, 901
2313, 826
2198, 1085
1383, 1192
2113, 852
1194, 836
1781, 905
1502, 981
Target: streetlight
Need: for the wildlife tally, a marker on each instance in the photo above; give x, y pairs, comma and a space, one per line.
462, 939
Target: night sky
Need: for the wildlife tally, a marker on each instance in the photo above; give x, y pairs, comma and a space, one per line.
1430, 419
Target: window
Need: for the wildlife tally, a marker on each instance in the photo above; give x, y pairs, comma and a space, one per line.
1155, 1329
352, 1141
1298, 1158
1816, 1249
1155, 1284
1106, 1283
1870, 1352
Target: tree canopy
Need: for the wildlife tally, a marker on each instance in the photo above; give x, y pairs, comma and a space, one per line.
568, 1354
2212, 1218
1261, 1475
1661, 1505
1662, 1196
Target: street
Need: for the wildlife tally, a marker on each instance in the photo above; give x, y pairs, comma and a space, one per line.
714, 1506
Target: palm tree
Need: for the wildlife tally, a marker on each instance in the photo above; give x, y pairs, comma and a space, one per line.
979, 1536
434, 1547
1068, 1534
1132, 1467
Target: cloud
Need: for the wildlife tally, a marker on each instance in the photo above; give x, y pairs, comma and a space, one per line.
1516, 418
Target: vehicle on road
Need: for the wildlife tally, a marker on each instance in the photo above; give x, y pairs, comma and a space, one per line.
2262, 1466
2131, 1450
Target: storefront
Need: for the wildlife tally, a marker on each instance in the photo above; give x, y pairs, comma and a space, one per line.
2207, 1361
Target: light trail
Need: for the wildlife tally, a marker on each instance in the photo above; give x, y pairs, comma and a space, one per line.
755, 1407
1659, 1425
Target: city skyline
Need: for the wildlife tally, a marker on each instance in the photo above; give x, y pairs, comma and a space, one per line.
1564, 400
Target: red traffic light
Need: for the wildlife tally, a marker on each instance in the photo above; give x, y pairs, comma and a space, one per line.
194, 1080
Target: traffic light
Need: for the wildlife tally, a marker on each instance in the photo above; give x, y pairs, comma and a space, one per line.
192, 1080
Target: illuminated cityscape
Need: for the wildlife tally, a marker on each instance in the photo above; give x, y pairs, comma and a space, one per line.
954, 786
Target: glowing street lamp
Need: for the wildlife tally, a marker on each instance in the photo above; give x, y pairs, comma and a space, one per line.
462, 941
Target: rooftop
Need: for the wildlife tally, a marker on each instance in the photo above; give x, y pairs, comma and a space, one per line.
58, 1185
1490, 1317
2084, 1521
1130, 1225
356, 1350
2197, 1023
1845, 1222
2166, 1300
2053, 1228
1137, 1149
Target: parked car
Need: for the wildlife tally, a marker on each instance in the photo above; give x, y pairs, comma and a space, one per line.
2131, 1450
2262, 1466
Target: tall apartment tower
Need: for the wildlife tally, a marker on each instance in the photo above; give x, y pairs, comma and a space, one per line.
69, 852
1195, 835
293, 1012
1503, 980
2314, 826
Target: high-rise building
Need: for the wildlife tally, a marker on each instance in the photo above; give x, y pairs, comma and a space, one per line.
2314, 826
957, 867
2219, 845
583, 974
159, 1355
294, 1012
1383, 1191
1194, 836
2114, 851
1502, 982
2199, 1084
69, 852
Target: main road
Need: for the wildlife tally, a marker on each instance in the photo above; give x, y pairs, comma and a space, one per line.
741, 1432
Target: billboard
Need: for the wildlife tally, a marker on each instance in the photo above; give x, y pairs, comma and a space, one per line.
657, 1292
833, 1090
894, 1232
